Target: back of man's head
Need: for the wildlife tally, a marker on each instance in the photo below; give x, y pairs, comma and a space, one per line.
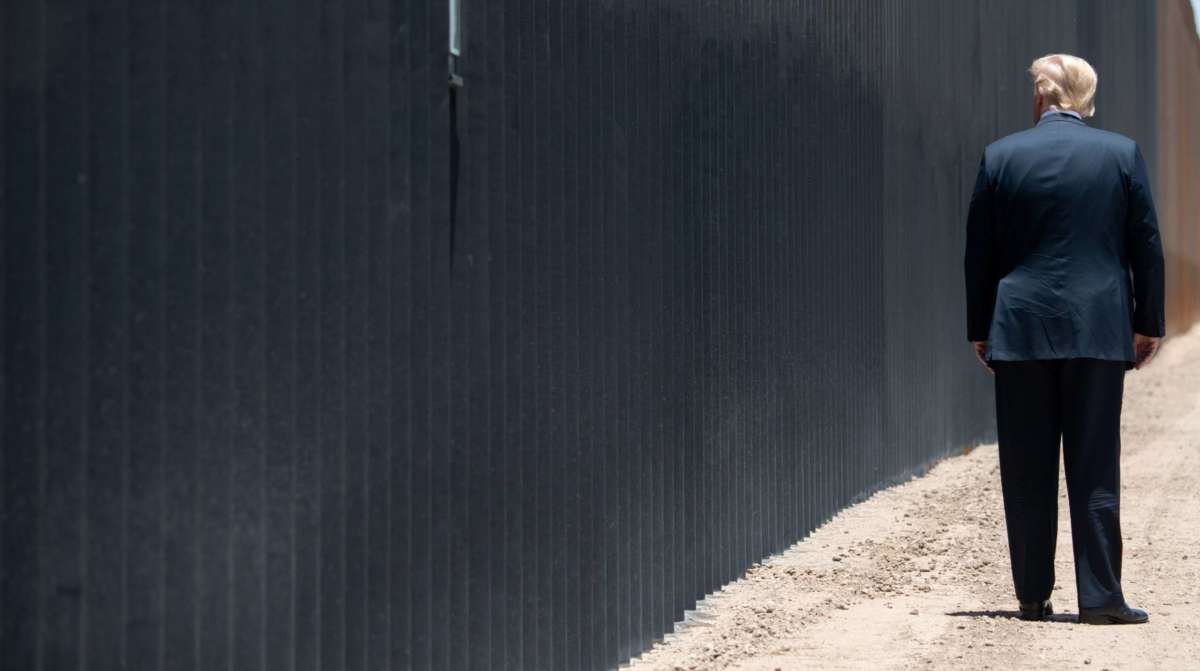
1066, 82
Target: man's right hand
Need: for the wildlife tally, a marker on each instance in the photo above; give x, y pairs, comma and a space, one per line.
1144, 348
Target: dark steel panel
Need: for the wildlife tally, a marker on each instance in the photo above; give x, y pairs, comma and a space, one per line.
248, 535
402, 332
106, 329
507, 281
281, 216
472, 282
380, 544
307, 501
181, 344
146, 483
331, 342
353, 126
60, 481
24, 431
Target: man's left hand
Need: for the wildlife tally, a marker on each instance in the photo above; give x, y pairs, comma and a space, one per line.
980, 350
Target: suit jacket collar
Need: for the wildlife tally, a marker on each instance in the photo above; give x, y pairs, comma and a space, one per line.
1057, 115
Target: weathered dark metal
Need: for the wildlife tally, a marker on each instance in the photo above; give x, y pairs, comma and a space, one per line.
312, 361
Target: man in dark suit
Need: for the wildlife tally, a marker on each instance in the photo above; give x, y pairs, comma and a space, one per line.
1060, 215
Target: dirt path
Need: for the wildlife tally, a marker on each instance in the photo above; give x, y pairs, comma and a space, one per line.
917, 577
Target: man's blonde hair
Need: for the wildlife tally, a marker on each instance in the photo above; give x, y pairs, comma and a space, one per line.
1066, 82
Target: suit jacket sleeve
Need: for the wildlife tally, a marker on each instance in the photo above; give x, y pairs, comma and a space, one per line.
979, 262
1144, 249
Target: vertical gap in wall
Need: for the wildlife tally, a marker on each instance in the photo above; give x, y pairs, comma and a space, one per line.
455, 148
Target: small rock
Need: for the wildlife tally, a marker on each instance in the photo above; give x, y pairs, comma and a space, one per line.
914, 612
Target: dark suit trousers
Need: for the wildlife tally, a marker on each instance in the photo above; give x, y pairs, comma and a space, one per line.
1037, 403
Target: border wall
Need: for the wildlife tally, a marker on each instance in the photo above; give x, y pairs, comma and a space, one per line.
311, 362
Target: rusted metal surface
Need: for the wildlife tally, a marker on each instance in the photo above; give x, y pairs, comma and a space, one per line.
1178, 196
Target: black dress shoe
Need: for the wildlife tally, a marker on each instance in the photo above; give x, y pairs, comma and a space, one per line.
1036, 610
1121, 614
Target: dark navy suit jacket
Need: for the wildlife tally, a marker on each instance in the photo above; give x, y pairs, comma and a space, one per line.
1060, 216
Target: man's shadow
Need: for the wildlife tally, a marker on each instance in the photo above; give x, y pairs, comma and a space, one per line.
1013, 615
